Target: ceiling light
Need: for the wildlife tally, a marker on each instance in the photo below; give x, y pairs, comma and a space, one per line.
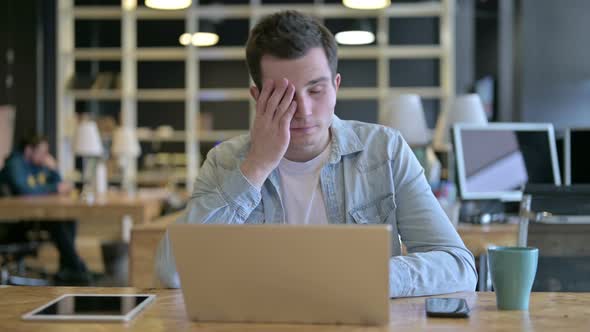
185, 39
168, 4
206, 35
356, 37
204, 39
366, 4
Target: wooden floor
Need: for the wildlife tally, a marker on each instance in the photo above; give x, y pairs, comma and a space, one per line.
88, 248
90, 235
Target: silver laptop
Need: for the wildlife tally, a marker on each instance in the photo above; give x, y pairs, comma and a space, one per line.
332, 274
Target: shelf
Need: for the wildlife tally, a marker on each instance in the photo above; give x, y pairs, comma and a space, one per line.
425, 9
143, 178
203, 136
104, 53
242, 94
391, 52
153, 177
374, 93
180, 136
131, 58
114, 95
230, 94
233, 94
424, 92
238, 53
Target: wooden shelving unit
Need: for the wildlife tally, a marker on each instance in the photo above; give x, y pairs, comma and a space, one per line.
129, 55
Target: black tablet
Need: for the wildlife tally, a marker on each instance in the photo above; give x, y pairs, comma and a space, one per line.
92, 307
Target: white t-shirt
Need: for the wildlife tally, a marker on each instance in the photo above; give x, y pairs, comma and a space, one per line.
301, 191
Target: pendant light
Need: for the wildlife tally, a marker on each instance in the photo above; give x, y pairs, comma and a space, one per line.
168, 4
366, 4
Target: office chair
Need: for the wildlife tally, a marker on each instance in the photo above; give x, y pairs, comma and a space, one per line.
14, 250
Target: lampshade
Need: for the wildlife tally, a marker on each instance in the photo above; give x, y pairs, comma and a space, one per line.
358, 33
464, 109
87, 141
407, 115
366, 4
125, 143
168, 4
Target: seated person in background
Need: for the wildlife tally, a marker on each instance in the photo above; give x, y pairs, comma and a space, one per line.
31, 170
301, 164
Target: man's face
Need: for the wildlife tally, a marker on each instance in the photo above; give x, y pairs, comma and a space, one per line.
315, 94
37, 154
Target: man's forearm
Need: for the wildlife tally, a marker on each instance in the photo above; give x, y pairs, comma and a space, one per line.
444, 270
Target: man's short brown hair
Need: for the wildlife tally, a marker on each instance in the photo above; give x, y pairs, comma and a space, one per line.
288, 35
31, 139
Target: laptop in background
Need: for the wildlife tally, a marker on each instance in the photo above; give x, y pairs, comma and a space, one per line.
328, 274
562, 204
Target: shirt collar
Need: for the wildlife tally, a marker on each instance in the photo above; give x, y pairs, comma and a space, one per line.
344, 140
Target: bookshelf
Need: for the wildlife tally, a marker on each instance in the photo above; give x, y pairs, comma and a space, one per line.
194, 94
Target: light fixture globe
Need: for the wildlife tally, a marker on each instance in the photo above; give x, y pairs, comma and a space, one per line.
168, 4
366, 4
354, 37
204, 39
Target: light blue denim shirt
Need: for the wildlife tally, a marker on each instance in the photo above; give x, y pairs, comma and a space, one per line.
371, 177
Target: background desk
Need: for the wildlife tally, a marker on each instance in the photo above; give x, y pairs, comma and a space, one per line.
108, 218
478, 238
113, 206
548, 312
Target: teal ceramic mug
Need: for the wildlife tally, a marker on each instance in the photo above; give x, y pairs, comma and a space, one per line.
513, 271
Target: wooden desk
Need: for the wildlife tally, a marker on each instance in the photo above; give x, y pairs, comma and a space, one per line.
478, 238
113, 207
548, 312
109, 218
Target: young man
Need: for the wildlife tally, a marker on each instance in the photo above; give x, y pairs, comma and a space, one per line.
31, 170
303, 165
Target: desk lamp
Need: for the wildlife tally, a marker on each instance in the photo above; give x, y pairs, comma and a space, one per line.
88, 145
407, 115
464, 109
126, 147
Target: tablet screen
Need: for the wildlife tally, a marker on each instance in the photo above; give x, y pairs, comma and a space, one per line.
84, 306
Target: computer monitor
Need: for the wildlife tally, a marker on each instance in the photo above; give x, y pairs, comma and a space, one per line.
496, 160
576, 156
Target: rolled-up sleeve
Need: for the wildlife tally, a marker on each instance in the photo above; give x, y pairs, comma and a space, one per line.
437, 261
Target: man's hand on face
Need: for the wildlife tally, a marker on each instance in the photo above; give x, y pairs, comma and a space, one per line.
50, 162
270, 134
64, 188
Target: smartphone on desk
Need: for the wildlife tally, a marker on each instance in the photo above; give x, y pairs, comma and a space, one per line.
447, 307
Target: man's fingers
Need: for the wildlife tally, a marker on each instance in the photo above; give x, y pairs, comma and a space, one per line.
285, 121
285, 102
275, 97
267, 89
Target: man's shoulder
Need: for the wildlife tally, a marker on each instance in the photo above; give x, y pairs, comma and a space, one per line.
377, 143
14, 160
372, 133
232, 149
